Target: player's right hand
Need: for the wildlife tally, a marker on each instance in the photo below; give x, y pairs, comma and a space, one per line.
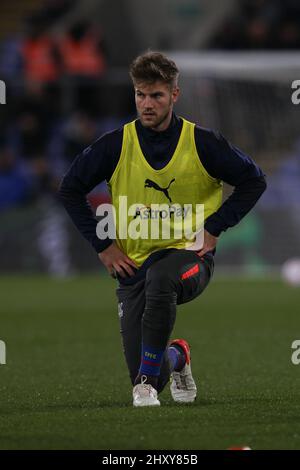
116, 261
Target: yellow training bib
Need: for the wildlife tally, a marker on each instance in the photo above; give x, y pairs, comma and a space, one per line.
152, 205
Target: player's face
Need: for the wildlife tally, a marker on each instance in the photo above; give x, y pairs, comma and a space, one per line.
154, 104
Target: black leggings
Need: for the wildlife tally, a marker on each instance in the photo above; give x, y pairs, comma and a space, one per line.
177, 278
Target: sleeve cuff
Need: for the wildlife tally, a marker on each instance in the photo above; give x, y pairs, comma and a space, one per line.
101, 245
213, 227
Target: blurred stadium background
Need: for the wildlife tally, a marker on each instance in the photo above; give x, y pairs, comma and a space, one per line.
65, 65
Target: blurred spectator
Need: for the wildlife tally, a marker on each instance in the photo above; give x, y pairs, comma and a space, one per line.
33, 130
81, 51
14, 185
39, 54
83, 64
80, 131
284, 184
32, 122
11, 57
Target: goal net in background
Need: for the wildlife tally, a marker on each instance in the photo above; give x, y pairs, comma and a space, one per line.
247, 97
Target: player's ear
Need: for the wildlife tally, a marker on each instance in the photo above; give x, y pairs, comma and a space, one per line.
175, 94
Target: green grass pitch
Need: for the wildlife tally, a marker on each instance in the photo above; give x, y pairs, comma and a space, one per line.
65, 384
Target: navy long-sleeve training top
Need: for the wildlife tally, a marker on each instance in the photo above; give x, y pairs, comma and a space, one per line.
221, 160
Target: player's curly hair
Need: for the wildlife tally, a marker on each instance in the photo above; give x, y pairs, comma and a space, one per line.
153, 66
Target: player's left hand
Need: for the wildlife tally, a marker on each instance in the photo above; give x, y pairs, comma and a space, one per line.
209, 243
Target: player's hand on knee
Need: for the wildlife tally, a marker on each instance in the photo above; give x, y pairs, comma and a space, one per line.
116, 261
209, 243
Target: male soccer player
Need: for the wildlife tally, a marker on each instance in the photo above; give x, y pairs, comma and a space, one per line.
160, 158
